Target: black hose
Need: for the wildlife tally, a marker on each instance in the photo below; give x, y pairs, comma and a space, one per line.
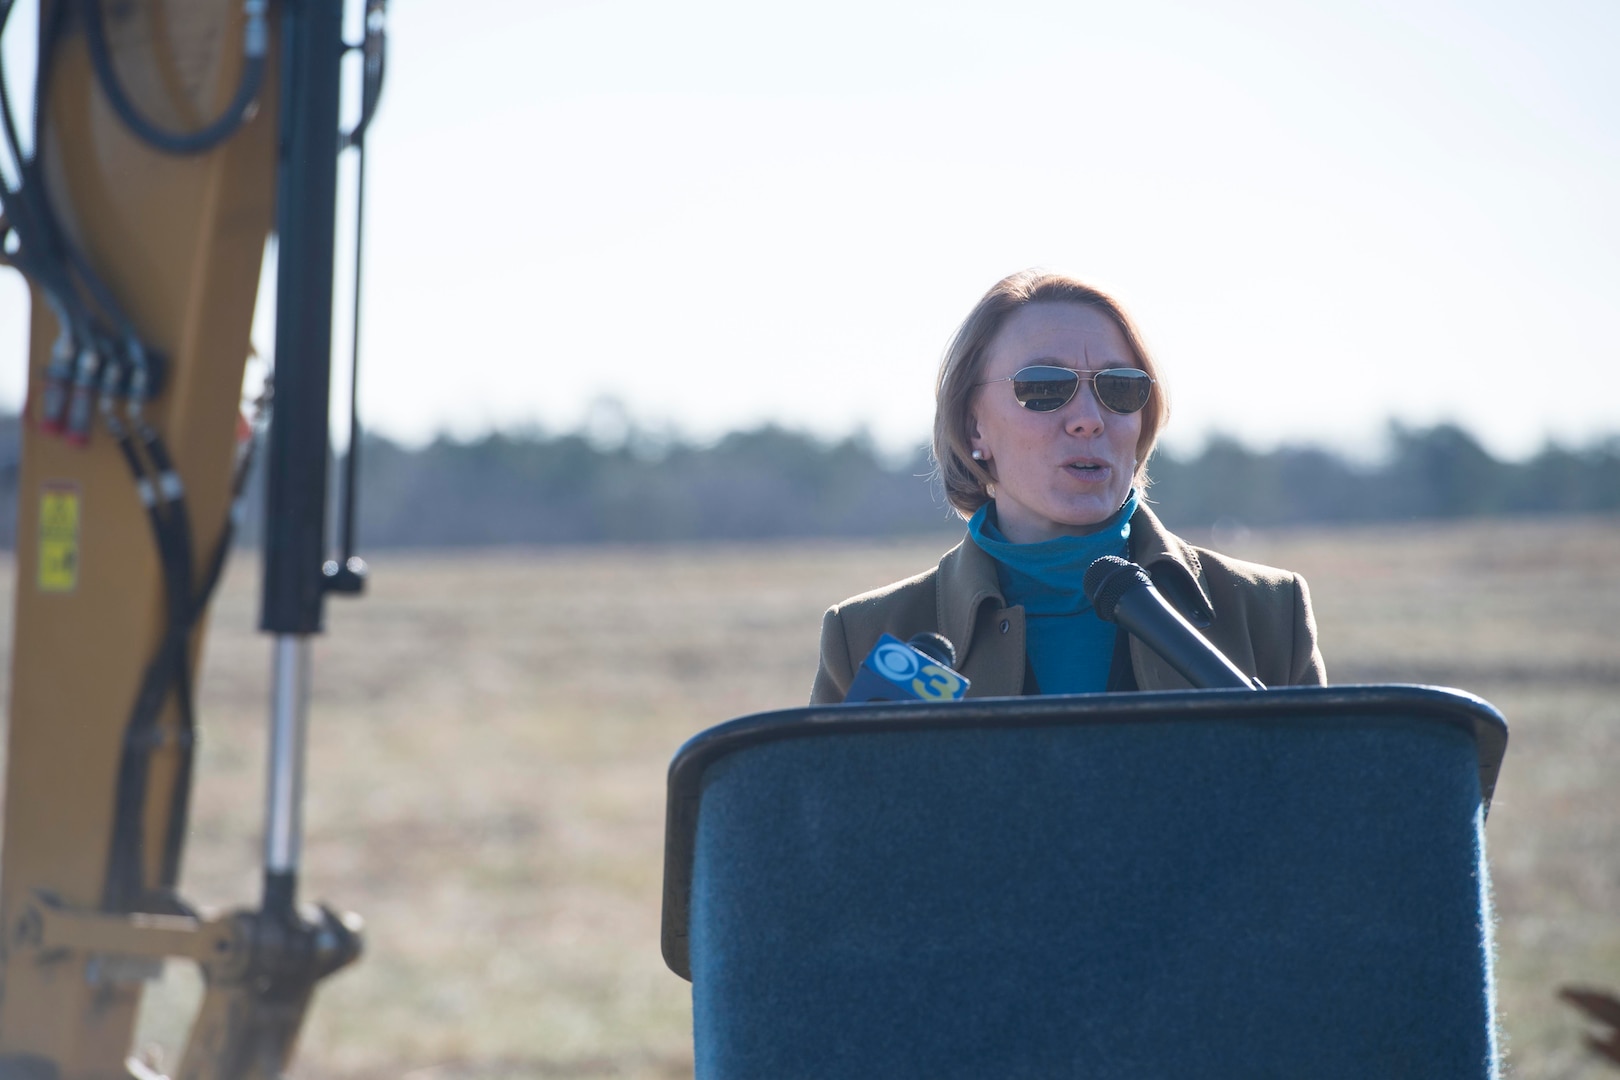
122, 886
375, 47
376, 56
351, 464
210, 135
52, 259
170, 671
23, 214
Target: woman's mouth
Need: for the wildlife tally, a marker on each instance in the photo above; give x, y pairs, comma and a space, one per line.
1090, 474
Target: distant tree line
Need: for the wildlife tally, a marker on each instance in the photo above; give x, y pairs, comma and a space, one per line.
1428, 473
532, 489
769, 483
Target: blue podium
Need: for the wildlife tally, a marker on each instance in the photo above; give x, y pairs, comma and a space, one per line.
1289, 883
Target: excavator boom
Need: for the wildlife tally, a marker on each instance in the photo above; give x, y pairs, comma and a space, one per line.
166, 141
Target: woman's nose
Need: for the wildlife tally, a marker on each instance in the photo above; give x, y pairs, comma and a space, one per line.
1083, 415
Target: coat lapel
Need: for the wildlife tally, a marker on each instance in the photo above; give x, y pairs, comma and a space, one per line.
1179, 576
988, 635
1174, 567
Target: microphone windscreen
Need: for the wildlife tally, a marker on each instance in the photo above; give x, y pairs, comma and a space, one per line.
1110, 578
937, 646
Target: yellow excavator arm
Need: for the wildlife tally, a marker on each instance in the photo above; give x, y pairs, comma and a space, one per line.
163, 144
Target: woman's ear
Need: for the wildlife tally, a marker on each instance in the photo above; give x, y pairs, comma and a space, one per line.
980, 452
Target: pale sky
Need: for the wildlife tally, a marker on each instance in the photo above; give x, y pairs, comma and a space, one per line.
1322, 215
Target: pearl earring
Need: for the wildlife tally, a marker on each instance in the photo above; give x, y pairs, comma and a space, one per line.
978, 455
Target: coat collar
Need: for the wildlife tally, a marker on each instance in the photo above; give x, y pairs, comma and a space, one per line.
1174, 566
967, 580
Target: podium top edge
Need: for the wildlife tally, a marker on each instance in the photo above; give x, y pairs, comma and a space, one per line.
1478, 716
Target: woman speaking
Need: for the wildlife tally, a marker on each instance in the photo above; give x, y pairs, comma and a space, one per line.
1046, 411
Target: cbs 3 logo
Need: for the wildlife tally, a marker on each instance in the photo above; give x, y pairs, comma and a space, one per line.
901, 664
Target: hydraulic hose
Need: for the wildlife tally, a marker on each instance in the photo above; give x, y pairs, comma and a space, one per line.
255, 51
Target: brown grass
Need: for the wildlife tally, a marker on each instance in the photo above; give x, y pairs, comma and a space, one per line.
490, 734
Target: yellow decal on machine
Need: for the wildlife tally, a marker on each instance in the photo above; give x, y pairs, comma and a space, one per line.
59, 538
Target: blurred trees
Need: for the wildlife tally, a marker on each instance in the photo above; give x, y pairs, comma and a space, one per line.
1438, 472
634, 486
568, 489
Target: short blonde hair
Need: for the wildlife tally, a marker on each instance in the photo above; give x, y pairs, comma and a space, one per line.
960, 370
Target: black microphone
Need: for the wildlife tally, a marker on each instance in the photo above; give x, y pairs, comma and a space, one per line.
935, 645
915, 670
1122, 592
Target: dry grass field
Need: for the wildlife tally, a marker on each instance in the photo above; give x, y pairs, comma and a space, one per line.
490, 733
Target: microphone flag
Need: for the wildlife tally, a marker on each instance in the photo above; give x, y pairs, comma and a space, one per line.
896, 671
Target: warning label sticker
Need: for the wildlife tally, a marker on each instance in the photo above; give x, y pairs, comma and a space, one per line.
59, 538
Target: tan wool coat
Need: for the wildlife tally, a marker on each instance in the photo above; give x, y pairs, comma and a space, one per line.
1259, 616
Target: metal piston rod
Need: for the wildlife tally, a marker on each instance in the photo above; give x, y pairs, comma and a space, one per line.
284, 789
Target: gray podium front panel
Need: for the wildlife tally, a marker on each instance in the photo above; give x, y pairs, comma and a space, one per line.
1201, 883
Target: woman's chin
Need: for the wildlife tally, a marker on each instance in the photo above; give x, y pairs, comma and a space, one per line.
1087, 515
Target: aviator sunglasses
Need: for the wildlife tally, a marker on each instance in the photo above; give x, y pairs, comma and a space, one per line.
1047, 387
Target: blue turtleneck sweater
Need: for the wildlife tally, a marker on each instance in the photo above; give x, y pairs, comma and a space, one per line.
1070, 649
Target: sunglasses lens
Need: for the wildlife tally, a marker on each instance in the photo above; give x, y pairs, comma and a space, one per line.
1044, 389
1123, 390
